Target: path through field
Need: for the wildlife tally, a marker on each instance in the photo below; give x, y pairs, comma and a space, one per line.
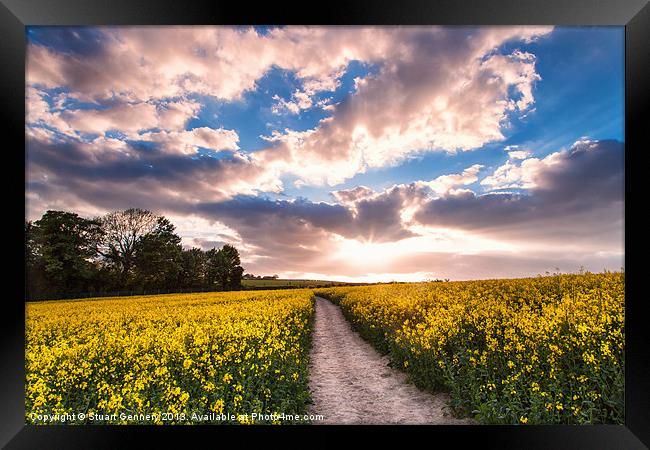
351, 383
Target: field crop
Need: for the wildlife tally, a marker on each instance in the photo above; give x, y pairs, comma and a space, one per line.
171, 356
538, 350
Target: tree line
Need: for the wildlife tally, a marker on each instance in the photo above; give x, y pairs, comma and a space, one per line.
133, 249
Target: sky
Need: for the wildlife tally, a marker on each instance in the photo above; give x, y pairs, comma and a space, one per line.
344, 153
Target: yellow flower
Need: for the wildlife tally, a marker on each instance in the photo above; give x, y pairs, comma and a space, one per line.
458, 333
244, 419
218, 406
75, 348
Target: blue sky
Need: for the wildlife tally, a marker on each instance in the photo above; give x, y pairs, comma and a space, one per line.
581, 93
386, 125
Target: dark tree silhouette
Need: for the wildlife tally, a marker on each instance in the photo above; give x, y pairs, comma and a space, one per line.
133, 249
60, 252
157, 257
122, 231
193, 265
223, 267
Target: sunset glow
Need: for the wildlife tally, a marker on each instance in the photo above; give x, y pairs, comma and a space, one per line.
346, 153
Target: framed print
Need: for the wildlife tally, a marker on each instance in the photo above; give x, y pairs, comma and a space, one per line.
396, 220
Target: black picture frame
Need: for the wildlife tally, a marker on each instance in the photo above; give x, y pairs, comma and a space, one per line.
16, 14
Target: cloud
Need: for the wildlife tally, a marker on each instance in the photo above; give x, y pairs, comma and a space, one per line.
435, 89
371, 220
572, 196
447, 183
517, 70
487, 265
571, 216
300, 100
112, 174
110, 126
145, 63
126, 118
518, 154
350, 196
197, 231
523, 174
188, 142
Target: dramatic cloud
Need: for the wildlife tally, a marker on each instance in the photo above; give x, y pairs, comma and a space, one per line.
573, 212
576, 204
112, 174
223, 129
573, 196
572, 216
435, 89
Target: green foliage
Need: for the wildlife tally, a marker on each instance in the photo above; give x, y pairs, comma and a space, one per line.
223, 267
60, 250
157, 260
192, 268
124, 250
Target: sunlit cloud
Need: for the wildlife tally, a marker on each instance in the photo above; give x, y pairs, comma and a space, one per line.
407, 143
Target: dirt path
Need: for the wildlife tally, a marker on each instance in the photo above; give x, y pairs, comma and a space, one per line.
351, 383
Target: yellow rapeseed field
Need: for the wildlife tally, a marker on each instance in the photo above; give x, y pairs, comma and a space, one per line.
179, 357
538, 350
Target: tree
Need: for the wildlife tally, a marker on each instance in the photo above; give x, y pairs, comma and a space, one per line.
35, 282
61, 249
122, 232
233, 269
192, 273
223, 267
235, 277
68, 254
157, 257
212, 264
